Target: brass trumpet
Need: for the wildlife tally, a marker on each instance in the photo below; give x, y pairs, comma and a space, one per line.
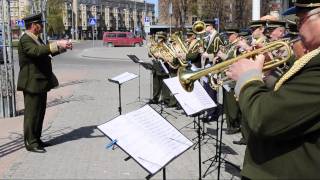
187, 77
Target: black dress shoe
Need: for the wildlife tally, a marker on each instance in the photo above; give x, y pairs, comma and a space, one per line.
36, 149
232, 131
44, 144
153, 101
240, 142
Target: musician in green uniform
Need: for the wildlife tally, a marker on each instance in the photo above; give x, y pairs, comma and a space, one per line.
230, 105
283, 123
36, 79
158, 72
213, 41
258, 37
193, 56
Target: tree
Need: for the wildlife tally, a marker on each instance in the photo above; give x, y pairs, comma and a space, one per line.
54, 17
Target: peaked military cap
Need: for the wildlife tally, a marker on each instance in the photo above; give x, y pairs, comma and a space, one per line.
275, 24
302, 6
257, 23
210, 22
161, 34
35, 18
292, 28
190, 32
244, 32
231, 30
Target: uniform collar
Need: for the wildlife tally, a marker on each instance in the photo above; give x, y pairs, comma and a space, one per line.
34, 37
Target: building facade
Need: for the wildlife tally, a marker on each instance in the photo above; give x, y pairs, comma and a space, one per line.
231, 13
110, 15
18, 10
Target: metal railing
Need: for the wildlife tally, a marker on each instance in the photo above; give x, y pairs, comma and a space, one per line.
7, 83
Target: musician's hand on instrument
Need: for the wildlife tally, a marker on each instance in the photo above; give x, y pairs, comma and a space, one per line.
222, 55
215, 59
201, 50
157, 54
237, 69
243, 44
205, 55
181, 55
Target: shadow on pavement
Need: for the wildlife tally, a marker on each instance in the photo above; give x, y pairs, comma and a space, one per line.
75, 134
12, 146
62, 100
229, 167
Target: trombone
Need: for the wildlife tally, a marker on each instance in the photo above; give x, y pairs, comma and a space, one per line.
187, 77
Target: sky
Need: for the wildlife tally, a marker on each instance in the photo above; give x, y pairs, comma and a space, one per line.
156, 5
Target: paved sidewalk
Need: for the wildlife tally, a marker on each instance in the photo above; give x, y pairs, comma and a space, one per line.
84, 100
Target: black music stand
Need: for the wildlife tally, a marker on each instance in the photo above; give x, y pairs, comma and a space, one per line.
193, 105
120, 79
146, 65
156, 129
217, 157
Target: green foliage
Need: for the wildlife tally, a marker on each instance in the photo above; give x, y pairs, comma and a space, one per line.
55, 24
54, 17
194, 9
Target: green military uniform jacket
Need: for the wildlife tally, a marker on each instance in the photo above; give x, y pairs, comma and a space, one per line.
35, 74
283, 126
193, 56
214, 46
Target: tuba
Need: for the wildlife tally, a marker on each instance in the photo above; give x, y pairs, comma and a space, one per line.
187, 77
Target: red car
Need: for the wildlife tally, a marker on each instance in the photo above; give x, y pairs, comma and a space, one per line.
111, 39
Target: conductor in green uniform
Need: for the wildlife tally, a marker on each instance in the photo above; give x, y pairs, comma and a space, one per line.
283, 123
36, 79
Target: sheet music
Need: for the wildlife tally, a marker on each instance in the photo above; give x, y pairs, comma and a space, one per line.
147, 137
191, 102
124, 77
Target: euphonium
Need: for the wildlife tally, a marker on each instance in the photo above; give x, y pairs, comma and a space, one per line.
187, 77
169, 55
178, 45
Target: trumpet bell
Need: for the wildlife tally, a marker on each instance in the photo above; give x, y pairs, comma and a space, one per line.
199, 27
185, 79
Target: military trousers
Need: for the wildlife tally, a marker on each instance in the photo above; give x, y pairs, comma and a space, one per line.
34, 112
157, 86
231, 109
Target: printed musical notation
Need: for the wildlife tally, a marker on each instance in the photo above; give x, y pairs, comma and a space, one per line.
147, 137
191, 102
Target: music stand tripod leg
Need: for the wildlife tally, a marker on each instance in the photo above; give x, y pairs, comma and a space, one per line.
164, 173
139, 97
199, 151
120, 109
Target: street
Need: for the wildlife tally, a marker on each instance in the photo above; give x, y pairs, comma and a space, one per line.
86, 99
